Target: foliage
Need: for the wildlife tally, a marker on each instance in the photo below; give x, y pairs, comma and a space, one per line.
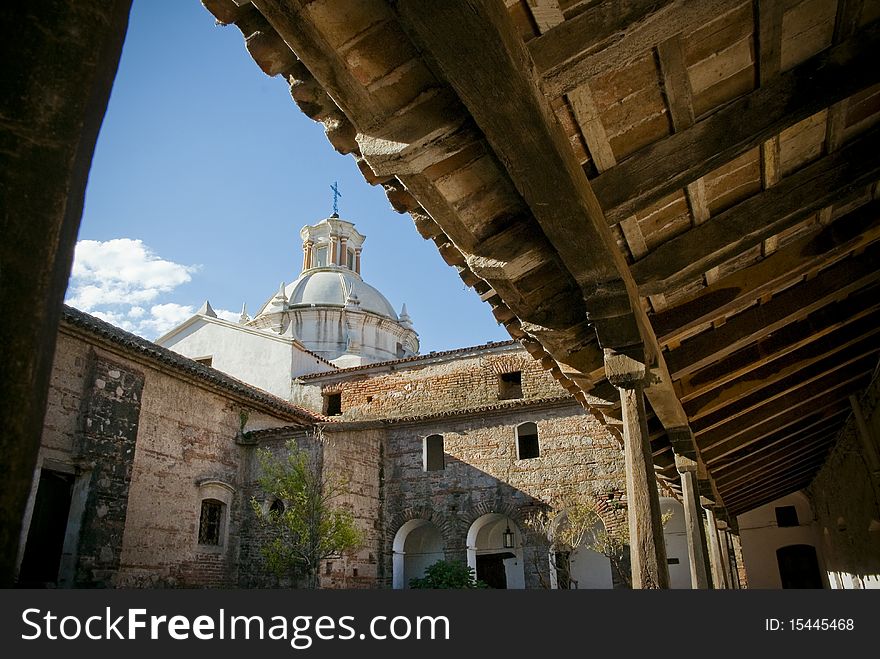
310, 527
448, 574
575, 522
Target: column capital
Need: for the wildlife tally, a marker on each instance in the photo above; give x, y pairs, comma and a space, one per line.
623, 371
682, 440
685, 465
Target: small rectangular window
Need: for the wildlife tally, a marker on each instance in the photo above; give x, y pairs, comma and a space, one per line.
786, 516
210, 521
433, 458
332, 404
510, 386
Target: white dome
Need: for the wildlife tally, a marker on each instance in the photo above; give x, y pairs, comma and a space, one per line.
331, 287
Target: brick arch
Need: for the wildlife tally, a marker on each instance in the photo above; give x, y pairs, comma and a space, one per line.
447, 526
505, 364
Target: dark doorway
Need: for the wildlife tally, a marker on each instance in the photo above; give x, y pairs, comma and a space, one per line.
490, 569
45, 540
799, 567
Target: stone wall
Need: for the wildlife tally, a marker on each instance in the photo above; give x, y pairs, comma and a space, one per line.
422, 386
483, 475
846, 505
353, 455
143, 443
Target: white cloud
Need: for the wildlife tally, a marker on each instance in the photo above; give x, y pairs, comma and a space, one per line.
112, 280
121, 271
231, 316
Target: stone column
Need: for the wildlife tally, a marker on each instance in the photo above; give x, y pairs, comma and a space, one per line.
334, 250
357, 260
718, 573
693, 520
647, 546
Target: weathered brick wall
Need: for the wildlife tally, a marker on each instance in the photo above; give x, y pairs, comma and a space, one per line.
144, 438
844, 501
412, 388
355, 455
187, 436
482, 475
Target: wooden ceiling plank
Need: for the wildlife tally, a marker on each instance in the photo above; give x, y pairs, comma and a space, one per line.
820, 184
757, 434
853, 231
818, 359
611, 34
806, 432
783, 461
792, 348
775, 408
834, 283
670, 163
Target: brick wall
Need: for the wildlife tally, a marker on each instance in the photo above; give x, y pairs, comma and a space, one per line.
846, 506
414, 388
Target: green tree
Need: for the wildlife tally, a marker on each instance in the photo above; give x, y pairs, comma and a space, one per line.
448, 574
310, 526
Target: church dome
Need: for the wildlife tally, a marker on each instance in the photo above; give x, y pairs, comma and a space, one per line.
333, 287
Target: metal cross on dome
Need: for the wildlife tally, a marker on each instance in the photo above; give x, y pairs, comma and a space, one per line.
336, 195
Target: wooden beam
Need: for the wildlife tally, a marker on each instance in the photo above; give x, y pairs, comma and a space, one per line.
774, 483
781, 461
792, 419
845, 25
809, 392
834, 283
807, 431
477, 50
852, 232
612, 34
822, 183
775, 490
670, 163
792, 348
834, 351
764, 499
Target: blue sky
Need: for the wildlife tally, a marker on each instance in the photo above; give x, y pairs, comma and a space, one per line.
205, 171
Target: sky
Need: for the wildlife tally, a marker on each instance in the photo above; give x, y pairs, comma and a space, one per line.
203, 175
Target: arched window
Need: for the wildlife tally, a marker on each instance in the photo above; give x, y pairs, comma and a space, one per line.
527, 446
350, 259
433, 457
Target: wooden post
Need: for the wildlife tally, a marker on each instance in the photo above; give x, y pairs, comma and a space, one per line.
693, 519
718, 574
724, 551
647, 546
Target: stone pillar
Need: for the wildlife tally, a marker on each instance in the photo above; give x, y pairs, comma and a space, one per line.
357, 260
693, 520
334, 250
718, 577
647, 546
307, 254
